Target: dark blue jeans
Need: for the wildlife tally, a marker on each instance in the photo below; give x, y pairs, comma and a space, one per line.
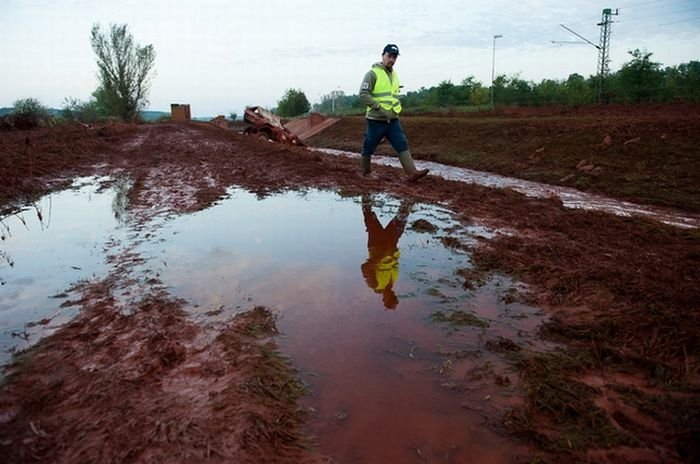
375, 130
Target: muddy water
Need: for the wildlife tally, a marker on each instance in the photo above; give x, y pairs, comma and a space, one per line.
387, 383
571, 198
46, 247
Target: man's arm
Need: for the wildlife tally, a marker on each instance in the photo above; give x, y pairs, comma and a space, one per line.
368, 83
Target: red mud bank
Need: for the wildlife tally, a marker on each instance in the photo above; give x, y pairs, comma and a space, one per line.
138, 386
150, 386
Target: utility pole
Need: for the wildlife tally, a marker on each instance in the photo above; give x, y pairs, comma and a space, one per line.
493, 65
334, 93
604, 49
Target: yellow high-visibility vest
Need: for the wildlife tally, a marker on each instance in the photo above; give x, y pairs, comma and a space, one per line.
387, 271
386, 90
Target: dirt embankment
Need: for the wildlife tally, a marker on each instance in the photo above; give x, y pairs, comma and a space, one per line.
646, 154
623, 294
151, 386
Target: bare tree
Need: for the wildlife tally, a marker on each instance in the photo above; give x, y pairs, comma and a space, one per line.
124, 71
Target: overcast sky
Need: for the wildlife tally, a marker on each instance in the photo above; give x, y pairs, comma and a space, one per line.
220, 56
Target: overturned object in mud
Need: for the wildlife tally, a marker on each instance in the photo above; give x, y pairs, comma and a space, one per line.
268, 127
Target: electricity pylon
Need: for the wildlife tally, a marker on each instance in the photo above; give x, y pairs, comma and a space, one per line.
604, 49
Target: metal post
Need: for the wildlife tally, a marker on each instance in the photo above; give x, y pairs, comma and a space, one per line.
493, 65
604, 49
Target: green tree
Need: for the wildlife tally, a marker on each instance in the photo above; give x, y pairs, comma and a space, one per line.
577, 91
479, 96
77, 110
124, 71
29, 113
446, 94
293, 103
498, 89
518, 91
683, 81
548, 92
470, 90
640, 80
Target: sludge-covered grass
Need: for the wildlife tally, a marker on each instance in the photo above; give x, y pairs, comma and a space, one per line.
146, 384
559, 413
623, 296
458, 318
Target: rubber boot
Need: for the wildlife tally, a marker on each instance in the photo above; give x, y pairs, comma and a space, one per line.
366, 164
409, 168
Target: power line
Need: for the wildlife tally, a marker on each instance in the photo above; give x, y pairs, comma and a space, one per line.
640, 4
681, 21
656, 26
632, 19
630, 7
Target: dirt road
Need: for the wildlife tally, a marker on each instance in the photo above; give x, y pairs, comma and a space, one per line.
137, 380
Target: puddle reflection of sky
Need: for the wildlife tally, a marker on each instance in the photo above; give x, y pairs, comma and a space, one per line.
51, 244
286, 250
300, 252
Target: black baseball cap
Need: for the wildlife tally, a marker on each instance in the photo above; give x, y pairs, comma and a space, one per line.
391, 49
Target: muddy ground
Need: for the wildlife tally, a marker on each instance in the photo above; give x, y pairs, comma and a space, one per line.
142, 383
645, 154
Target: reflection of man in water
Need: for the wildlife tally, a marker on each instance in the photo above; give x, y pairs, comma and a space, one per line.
381, 270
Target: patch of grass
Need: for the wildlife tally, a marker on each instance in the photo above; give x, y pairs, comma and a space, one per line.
451, 242
681, 412
561, 406
473, 278
257, 323
502, 345
458, 318
271, 381
423, 226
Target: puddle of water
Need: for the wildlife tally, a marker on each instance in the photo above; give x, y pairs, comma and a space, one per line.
570, 198
388, 385
373, 362
45, 248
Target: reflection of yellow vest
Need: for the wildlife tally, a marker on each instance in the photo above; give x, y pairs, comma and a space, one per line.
386, 90
387, 271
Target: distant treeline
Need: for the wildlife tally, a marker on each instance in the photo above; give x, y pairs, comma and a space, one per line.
641, 80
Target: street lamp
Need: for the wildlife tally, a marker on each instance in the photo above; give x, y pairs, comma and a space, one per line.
334, 93
493, 65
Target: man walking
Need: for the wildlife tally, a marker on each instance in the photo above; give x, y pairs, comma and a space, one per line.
380, 93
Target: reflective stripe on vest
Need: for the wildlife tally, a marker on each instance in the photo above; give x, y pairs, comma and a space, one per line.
386, 90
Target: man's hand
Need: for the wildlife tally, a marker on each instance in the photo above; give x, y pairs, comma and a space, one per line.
389, 114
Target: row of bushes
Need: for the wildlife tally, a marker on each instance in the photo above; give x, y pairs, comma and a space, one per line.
26, 114
29, 113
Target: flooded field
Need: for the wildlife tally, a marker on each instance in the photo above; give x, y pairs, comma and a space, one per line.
398, 355
198, 295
